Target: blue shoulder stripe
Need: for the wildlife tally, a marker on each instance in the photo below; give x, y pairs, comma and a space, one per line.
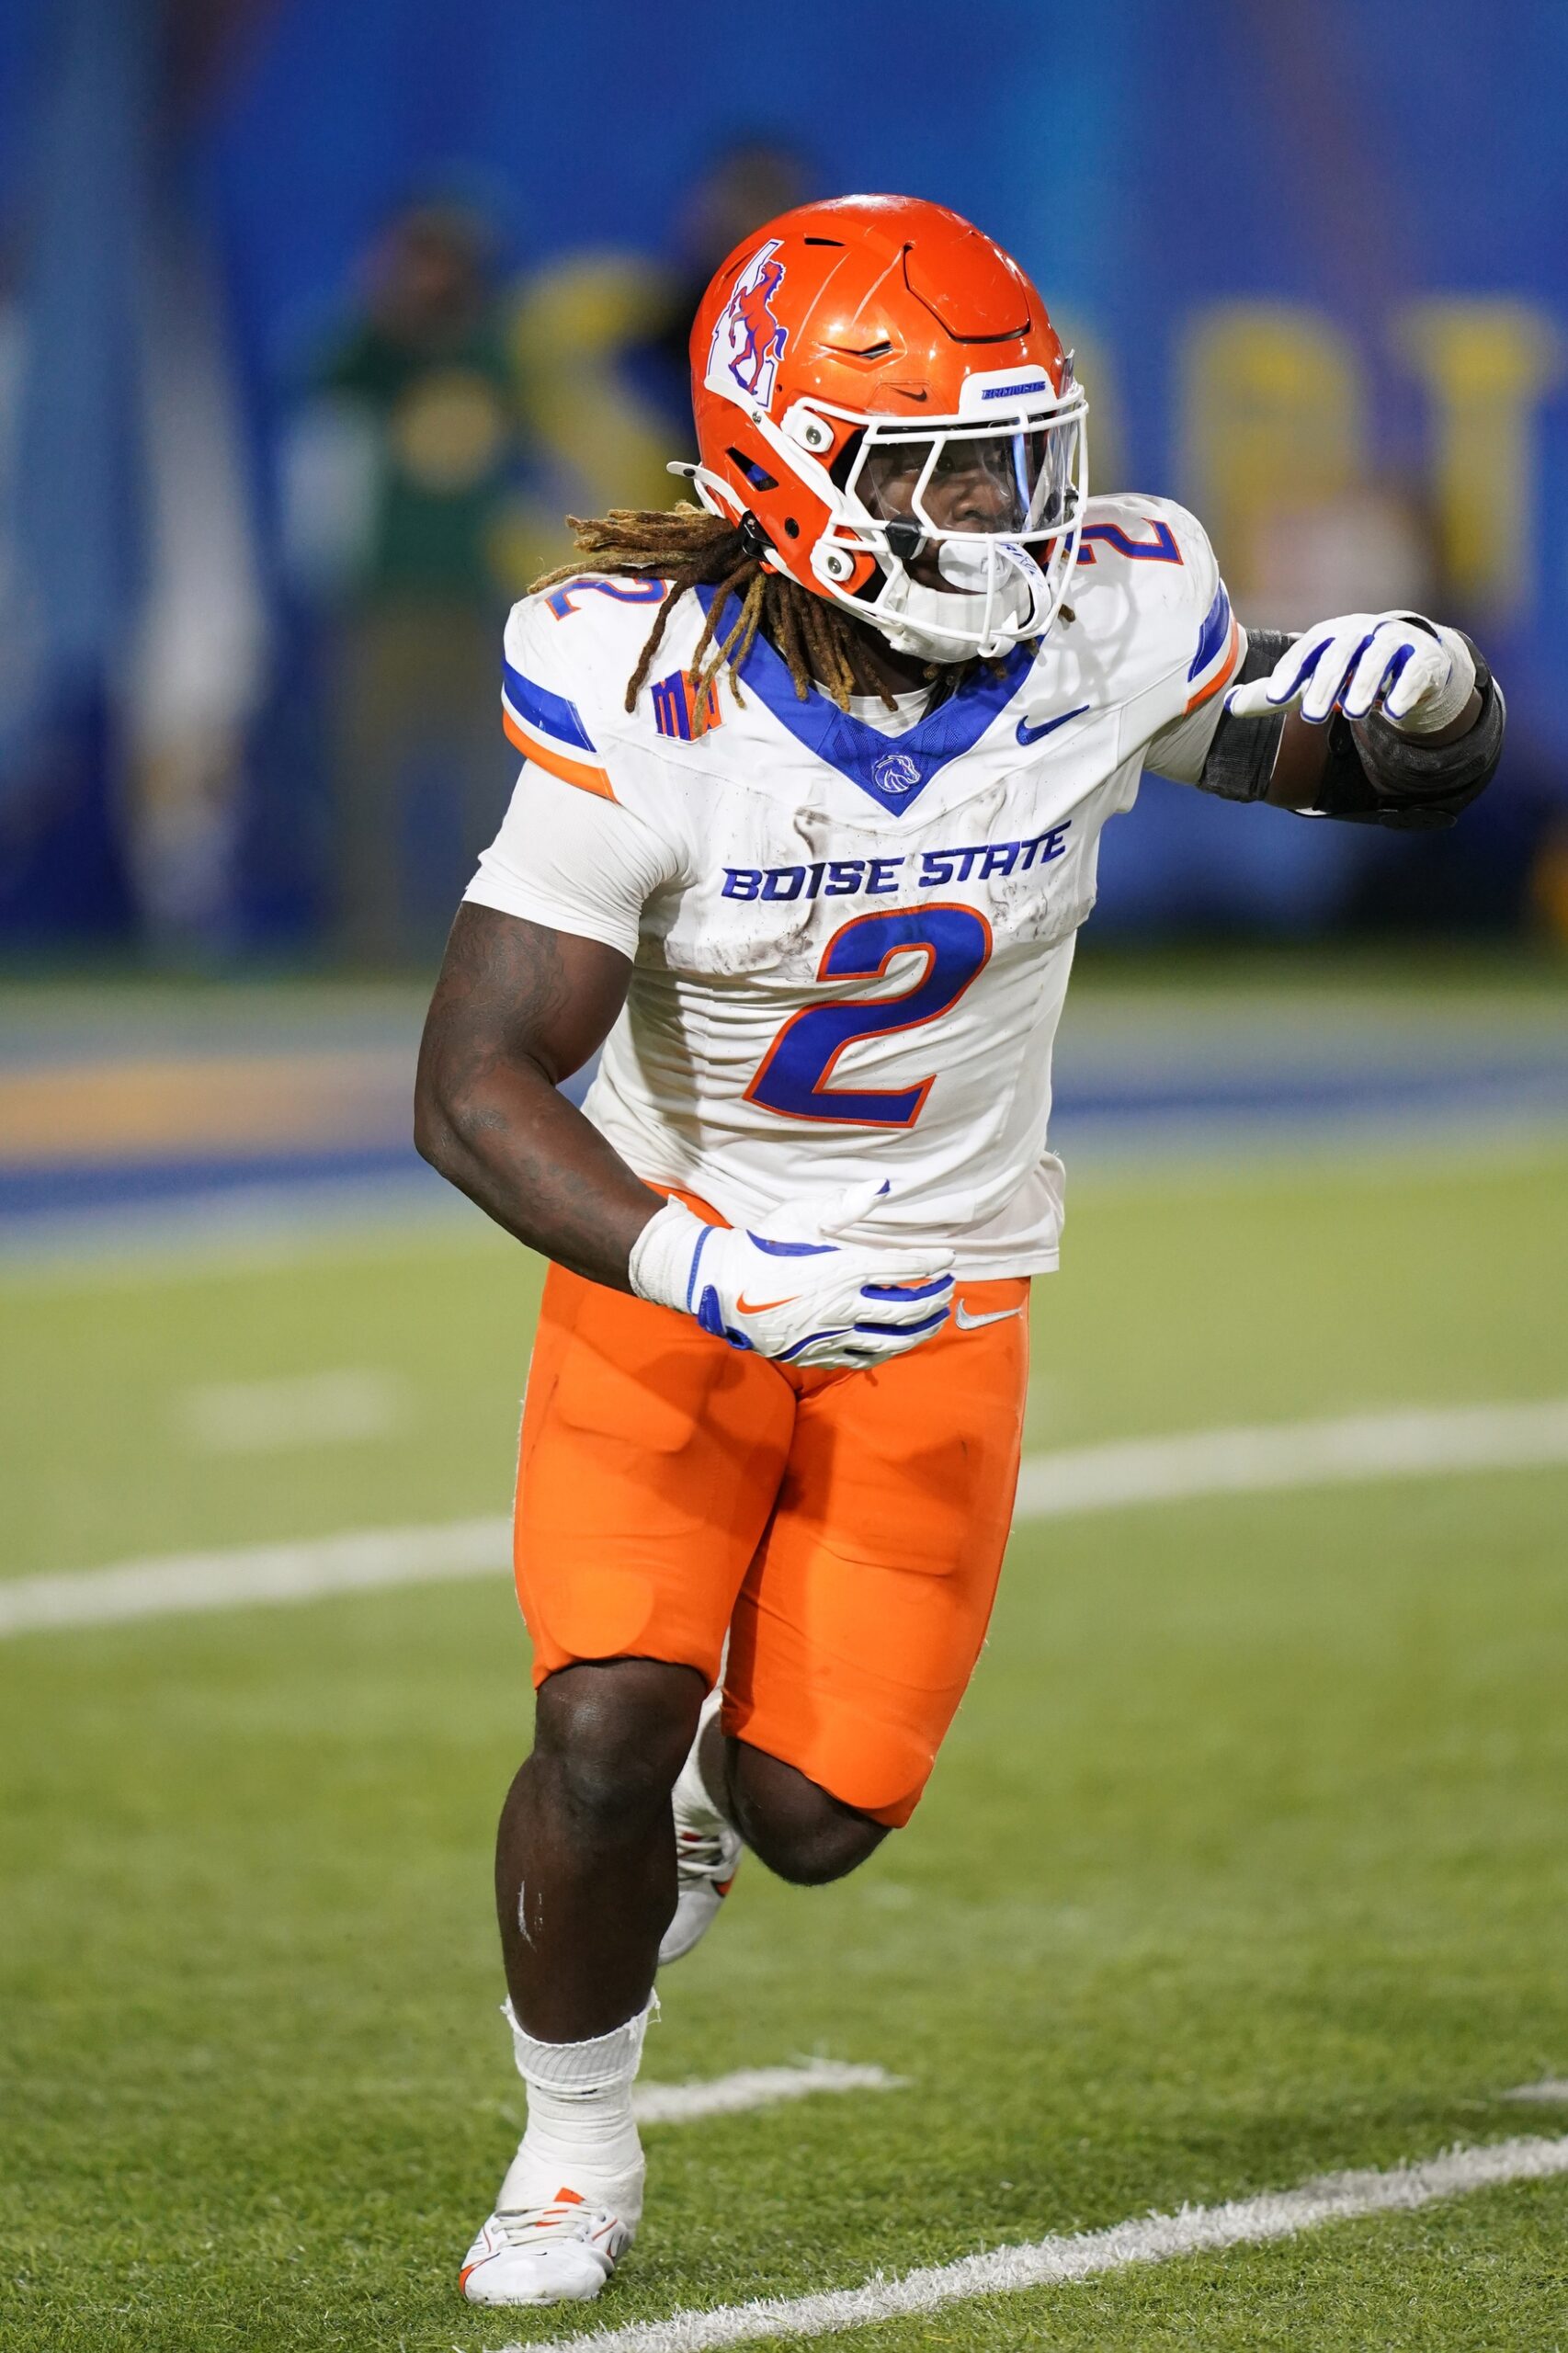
551, 714
1212, 636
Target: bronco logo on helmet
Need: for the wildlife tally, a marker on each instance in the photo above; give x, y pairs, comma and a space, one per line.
749, 340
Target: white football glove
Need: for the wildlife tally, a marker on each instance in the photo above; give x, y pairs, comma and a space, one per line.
1421, 673
789, 1288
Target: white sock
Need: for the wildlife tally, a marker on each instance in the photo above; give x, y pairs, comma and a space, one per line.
582, 2134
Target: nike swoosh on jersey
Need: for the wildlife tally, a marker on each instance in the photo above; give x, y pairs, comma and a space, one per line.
1027, 735
968, 1322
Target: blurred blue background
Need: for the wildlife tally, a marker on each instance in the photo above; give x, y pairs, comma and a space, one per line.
316, 315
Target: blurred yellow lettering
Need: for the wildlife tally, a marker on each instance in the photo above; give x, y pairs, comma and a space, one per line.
1272, 409
604, 445
1487, 365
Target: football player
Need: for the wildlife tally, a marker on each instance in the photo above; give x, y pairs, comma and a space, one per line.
814, 773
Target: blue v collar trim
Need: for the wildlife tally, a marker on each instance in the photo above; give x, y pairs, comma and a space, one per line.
893, 770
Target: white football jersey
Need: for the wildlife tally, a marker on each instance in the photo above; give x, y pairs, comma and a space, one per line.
850, 946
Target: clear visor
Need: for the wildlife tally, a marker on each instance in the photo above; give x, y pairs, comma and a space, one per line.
980, 482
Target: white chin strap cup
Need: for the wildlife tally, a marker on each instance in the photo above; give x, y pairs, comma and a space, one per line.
999, 591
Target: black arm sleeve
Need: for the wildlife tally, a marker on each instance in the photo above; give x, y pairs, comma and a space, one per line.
1375, 774
1241, 757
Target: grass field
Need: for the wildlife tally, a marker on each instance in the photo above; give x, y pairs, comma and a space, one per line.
1245, 1862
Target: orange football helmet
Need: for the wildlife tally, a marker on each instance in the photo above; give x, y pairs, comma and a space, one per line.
878, 386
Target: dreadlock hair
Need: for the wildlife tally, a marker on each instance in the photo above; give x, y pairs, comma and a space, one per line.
691, 549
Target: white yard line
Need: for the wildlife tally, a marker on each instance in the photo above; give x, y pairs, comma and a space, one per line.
344, 1407
368, 1558
1056, 2262
755, 2087
1552, 2093
1407, 1445
1419, 1443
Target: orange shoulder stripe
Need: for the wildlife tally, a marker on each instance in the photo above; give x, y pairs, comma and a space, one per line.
545, 757
1223, 675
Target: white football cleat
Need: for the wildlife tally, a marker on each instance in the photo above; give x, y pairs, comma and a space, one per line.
708, 1851
559, 2254
706, 1864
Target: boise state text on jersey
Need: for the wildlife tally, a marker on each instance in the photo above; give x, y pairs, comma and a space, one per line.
849, 877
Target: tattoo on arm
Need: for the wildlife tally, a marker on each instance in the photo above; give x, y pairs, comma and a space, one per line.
519, 1008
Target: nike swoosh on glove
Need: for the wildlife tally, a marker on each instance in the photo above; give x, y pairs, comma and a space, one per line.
1420, 673
790, 1287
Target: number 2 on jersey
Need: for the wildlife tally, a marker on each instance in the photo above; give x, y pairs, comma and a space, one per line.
794, 1077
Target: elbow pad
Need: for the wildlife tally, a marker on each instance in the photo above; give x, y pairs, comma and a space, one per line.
1376, 775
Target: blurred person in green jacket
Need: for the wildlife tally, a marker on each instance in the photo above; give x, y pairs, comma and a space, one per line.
401, 474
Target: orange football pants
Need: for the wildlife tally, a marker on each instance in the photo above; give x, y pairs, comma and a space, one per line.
844, 1528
